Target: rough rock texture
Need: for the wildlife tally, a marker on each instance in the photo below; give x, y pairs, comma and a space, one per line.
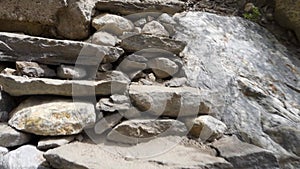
33, 69
243, 155
52, 116
16, 47
138, 130
206, 127
53, 142
27, 156
155, 28
18, 86
10, 137
173, 102
105, 39
137, 6
287, 14
55, 19
7, 103
139, 42
222, 50
71, 72
163, 67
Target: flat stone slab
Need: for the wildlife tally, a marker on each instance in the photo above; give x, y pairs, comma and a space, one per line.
16, 47
19, 86
137, 6
10, 137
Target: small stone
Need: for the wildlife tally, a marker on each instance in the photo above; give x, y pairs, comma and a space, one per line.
53, 142
119, 99
151, 77
107, 122
27, 157
105, 104
140, 22
137, 130
112, 23
52, 116
176, 82
30, 69
9, 71
70, 72
163, 67
11, 137
3, 151
206, 127
105, 39
166, 18
155, 28
249, 7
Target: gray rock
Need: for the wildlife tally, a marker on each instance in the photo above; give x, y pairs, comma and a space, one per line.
119, 99
11, 137
206, 128
113, 24
108, 83
166, 18
50, 116
138, 130
3, 151
105, 39
7, 103
57, 20
155, 28
136, 6
219, 51
17, 47
137, 58
105, 104
172, 102
107, 122
71, 72
24, 157
139, 42
141, 22
105, 67
33, 69
53, 142
129, 66
78, 155
163, 67
176, 82
244, 155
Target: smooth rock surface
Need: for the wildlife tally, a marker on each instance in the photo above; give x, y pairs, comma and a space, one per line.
244, 155
3, 151
53, 142
155, 28
105, 39
18, 86
50, 116
10, 137
219, 51
107, 122
172, 102
206, 127
70, 72
139, 42
138, 6
16, 47
138, 130
163, 67
27, 156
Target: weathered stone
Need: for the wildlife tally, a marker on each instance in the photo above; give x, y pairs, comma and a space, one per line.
129, 66
56, 20
142, 41
3, 151
176, 82
53, 142
105, 39
137, 130
105, 67
18, 86
7, 103
166, 18
33, 69
105, 104
136, 6
71, 72
137, 58
52, 116
15, 47
207, 128
141, 22
244, 155
155, 28
112, 23
219, 51
173, 102
119, 99
287, 14
107, 122
78, 156
9, 71
24, 157
11, 137
163, 67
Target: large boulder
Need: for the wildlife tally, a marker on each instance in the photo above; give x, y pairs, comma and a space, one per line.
287, 14
56, 19
252, 77
52, 116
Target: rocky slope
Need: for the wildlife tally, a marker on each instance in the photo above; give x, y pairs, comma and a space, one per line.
92, 84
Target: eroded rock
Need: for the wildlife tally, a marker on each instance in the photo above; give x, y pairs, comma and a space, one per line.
10, 137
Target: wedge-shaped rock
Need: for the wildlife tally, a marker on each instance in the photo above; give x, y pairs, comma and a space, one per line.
53, 142
173, 102
136, 6
15, 47
52, 116
10, 137
18, 86
136, 131
244, 155
142, 41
